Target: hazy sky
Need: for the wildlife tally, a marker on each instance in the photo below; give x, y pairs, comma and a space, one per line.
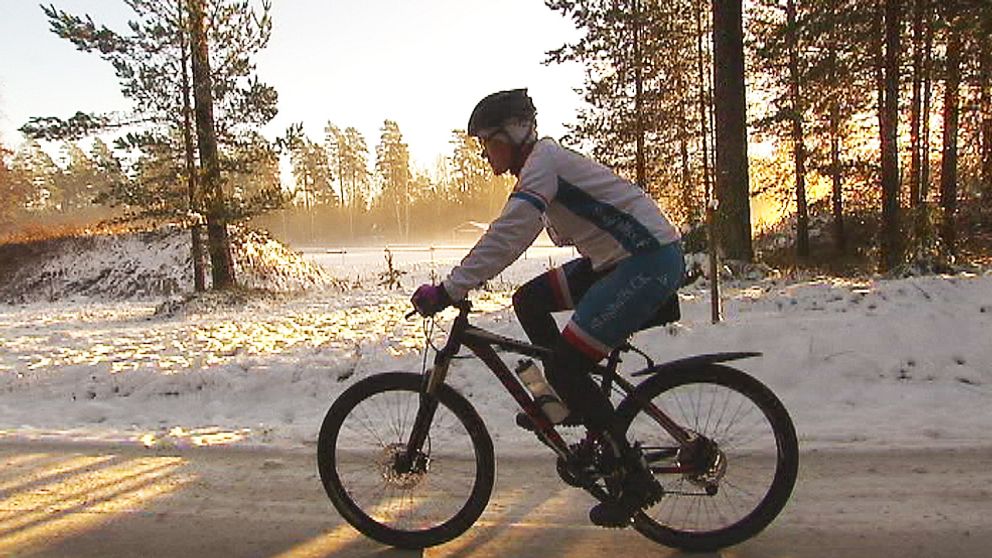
422, 63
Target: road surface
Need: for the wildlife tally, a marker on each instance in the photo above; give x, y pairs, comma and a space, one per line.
99, 501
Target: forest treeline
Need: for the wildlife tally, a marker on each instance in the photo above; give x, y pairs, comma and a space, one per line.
880, 107
861, 107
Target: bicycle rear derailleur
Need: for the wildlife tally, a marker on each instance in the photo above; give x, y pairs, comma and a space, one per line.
706, 462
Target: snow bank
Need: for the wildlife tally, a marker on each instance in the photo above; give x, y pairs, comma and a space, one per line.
148, 264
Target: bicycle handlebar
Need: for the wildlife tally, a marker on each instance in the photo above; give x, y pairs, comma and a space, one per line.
464, 306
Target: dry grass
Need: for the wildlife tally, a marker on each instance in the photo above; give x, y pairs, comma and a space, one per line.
37, 233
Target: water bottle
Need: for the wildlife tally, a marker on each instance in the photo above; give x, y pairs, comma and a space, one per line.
544, 396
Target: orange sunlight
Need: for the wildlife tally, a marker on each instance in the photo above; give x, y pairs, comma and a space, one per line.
75, 495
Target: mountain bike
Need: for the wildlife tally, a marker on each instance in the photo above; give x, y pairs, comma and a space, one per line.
408, 462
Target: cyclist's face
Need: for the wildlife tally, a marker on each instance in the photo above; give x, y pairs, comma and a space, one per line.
498, 152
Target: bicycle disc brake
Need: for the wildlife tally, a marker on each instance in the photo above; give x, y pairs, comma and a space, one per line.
400, 470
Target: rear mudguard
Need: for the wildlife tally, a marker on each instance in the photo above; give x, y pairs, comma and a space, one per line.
693, 362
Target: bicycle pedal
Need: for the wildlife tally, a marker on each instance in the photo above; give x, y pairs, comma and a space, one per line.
611, 515
523, 421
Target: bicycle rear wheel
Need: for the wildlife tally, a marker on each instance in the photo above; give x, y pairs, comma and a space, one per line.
417, 504
744, 477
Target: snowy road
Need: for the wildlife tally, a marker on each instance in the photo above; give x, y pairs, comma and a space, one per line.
73, 500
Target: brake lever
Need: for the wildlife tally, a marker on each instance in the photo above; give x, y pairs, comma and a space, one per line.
411, 314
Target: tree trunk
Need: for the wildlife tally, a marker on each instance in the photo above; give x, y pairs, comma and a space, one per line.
840, 239
927, 98
196, 239
688, 199
221, 263
732, 188
351, 214
311, 202
798, 137
916, 104
985, 106
891, 253
711, 230
949, 154
641, 171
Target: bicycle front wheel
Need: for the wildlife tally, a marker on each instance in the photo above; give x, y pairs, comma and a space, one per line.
736, 478
361, 456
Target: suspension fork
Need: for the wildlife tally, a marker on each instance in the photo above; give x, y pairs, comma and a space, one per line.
434, 378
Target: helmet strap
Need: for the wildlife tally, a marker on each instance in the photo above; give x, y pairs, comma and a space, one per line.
520, 154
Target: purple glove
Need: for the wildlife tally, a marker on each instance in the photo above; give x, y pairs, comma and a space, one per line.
430, 299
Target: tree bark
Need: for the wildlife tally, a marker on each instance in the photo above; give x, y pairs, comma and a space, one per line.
916, 103
949, 153
732, 185
927, 98
219, 245
798, 137
639, 131
837, 205
688, 197
891, 253
711, 229
196, 241
985, 106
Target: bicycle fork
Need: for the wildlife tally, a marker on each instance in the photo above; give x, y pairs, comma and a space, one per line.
433, 379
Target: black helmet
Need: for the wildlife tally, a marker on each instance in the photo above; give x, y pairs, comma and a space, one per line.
496, 109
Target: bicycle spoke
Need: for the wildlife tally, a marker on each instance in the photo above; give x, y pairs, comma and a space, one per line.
417, 499
742, 434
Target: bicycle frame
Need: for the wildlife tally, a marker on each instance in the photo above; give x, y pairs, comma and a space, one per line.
481, 343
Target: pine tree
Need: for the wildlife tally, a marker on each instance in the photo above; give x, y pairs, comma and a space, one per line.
110, 171
732, 185
392, 166
311, 173
888, 28
838, 65
357, 168
983, 40
782, 56
615, 46
469, 175
14, 189
218, 242
347, 160
949, 153
79, 182
921, 20
40, 175
153, 65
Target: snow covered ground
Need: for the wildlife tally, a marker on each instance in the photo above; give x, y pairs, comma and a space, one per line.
866, 364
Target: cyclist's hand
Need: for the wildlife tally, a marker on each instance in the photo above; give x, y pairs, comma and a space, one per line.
430, 299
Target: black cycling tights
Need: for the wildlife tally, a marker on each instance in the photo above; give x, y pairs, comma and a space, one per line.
568, 368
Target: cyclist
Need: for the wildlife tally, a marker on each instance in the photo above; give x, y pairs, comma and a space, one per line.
631, 264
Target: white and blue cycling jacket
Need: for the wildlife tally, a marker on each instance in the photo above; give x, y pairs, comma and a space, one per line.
581, 203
